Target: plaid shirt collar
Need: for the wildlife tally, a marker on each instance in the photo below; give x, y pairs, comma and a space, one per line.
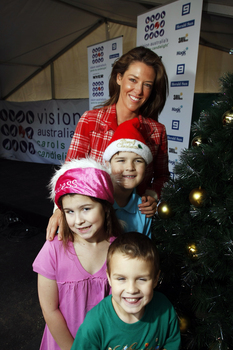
110, 121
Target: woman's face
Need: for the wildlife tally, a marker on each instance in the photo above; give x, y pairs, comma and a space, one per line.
135, 87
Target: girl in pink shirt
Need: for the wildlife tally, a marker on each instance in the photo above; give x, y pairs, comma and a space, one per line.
72, 273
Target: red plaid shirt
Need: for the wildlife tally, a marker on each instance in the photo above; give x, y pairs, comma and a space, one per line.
96, 128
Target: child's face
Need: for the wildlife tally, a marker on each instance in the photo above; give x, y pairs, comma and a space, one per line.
128, 169
132, 282
84, 216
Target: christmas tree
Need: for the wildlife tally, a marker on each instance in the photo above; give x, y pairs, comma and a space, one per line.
193, 230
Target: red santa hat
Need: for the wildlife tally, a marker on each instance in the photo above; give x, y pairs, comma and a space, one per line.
127, 138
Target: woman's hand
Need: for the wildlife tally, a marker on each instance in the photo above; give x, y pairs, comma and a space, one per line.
53, 224
148, 206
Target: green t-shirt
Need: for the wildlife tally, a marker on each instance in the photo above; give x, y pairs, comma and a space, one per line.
102, 329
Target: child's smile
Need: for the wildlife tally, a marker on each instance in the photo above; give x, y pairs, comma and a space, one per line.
84, 216
132, 282
128, 169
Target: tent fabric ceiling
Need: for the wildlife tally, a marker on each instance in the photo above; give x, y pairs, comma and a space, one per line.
34, 33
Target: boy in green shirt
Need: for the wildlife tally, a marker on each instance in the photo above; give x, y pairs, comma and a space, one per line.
134, 316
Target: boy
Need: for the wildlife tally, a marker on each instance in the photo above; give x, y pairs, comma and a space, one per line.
128, 156
134, 316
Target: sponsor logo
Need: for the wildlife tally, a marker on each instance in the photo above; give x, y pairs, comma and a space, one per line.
183, 39
98, 88
114, 46
154, 26
186, 9
180, 83
173, 150
172, 175
185, 24
173, 162
178, 97
175, 124
97, 54
182, 53
98, 76
18, 134
177, 109
116, 55
180, 69
175, 138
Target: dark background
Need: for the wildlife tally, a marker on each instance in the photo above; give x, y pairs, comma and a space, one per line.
24, 213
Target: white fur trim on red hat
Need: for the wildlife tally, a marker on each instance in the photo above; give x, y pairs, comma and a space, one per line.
128, 145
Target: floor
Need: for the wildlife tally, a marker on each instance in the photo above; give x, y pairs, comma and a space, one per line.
24, 212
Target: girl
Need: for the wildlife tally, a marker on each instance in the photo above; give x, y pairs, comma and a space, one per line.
72, 273
138, 87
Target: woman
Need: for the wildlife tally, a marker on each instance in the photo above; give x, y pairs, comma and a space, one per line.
138, 87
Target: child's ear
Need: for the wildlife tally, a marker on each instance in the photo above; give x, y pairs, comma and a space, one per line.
109, 280
156, 279
107, 164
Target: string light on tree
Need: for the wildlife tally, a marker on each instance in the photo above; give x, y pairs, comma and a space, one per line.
164, 210
197, 197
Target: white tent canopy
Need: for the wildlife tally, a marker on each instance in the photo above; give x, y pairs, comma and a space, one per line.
44, 43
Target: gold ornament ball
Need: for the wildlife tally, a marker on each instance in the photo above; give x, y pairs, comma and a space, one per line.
192, 250
197, 197
227, 117
183, 324
196, 141
164, 211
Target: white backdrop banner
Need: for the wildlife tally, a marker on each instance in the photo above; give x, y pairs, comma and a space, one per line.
39, 132
100, 60
173, 31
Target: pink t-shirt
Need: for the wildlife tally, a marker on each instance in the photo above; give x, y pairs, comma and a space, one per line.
78, 290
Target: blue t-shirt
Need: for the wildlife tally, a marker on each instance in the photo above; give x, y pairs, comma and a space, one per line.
134, 220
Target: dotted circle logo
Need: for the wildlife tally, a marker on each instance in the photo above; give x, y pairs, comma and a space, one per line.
98, 55
154, 26
16, 129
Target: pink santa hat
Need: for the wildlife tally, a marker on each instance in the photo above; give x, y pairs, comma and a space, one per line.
127, 138
82, 176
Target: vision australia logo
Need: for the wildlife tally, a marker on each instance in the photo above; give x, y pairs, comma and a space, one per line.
16, 137
155, 24
97, 55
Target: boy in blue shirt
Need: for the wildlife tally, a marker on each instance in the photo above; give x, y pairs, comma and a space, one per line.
128, 156
134, 316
